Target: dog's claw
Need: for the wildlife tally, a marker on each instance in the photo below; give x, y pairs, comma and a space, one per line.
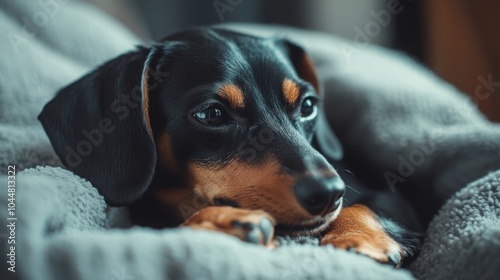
251, 232
352, 250
245, 226
267, 229
394, 258
260, 233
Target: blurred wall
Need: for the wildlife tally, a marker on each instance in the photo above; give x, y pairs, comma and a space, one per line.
392, 23
161, 17
463, 47
458, 39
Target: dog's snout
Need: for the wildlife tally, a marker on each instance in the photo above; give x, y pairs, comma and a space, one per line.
319, 196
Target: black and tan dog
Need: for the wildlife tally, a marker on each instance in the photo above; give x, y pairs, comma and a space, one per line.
223, 117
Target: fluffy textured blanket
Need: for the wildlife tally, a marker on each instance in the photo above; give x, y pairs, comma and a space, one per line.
383, 107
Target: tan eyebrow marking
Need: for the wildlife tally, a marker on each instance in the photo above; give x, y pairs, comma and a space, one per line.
233, 95
291, 91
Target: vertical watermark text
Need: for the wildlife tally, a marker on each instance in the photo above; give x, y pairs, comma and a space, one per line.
11, 218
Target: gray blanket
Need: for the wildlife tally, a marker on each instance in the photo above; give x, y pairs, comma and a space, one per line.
383, 107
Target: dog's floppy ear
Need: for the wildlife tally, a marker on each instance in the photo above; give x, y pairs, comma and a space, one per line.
99, 127
325, 139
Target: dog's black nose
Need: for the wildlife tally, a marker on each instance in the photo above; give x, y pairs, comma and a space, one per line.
319, 196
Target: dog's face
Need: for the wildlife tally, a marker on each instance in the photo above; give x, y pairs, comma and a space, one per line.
231, 114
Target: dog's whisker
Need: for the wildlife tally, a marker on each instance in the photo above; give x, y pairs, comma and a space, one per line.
347, 170
346, 201
356, 191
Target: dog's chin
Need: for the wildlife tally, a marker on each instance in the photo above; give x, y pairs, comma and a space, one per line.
314, 227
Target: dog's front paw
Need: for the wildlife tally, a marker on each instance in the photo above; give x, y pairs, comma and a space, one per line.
381, 250
359, 230
253, 226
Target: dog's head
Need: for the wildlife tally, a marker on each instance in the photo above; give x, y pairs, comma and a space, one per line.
232, 114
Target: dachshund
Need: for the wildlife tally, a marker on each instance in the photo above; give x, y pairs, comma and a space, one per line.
214, 129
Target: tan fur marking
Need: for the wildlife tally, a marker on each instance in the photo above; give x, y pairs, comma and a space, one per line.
291, 91
166, 155
261, 186
145, 91
356, 227
233, 95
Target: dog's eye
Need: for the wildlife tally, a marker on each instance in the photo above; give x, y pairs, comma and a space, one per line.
308, 109
212, 116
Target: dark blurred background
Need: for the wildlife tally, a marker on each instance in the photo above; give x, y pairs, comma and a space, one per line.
457, 39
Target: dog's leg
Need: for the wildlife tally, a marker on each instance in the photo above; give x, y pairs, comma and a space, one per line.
253, 226
359, 229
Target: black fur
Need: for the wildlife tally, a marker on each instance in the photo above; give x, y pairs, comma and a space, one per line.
101, 138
